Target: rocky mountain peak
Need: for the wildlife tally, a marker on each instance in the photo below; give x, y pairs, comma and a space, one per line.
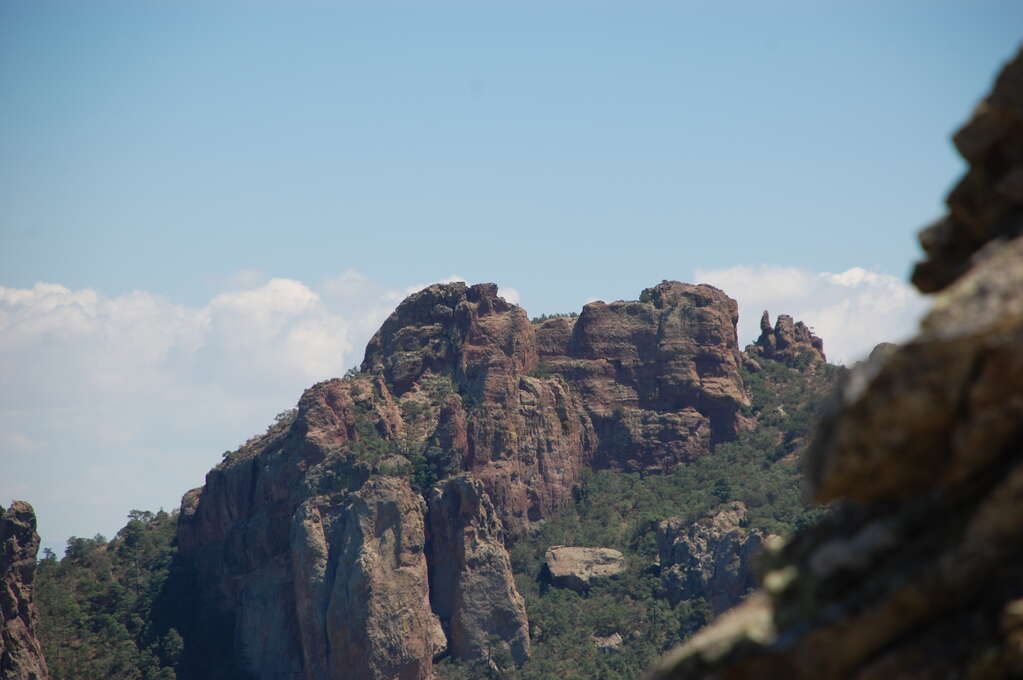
399, 487
787, 341
712, 556
451, 329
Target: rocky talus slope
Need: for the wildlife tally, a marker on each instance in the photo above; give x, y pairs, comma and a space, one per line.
366, 535
21, 655
919, 572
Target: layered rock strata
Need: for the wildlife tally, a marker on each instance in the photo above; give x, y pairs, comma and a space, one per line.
21, 654
711, 557
659, 377
919, 573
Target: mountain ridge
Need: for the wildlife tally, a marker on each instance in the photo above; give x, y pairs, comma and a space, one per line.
456, 381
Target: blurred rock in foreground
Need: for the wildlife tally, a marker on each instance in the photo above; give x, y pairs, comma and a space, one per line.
919, 572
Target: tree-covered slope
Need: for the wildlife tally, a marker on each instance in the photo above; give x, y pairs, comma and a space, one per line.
97, 605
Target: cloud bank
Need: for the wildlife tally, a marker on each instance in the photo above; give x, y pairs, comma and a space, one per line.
109, 403
852, 311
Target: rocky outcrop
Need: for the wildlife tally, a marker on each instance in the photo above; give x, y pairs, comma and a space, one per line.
361, 585
710, 558
578, 568
526, 438
919, 572
472, 587
313, 523
459, 388
21, 654
659, 376
608, 643
787, 341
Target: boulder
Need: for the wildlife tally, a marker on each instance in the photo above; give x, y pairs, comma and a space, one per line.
578, 568
788, 341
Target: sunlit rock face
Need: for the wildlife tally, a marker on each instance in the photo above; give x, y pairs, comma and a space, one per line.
919, 572
472, 587
788, 341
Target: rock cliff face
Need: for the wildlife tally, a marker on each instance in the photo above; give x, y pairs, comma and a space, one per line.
361, 588
21, 655
920, 572
659, 377
311, 548
710, 558
788, 341
472, 587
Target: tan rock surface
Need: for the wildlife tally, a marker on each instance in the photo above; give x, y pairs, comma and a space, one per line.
578, 568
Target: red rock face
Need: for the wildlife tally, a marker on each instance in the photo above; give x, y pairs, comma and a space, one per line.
659, 377
21, 654
473, 589
789, 342
316, 521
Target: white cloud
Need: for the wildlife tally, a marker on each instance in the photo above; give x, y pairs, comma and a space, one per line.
510, 294
109, 403
852, 310
397, 296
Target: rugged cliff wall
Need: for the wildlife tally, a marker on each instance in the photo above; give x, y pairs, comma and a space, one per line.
920, 572
365, 535
21, 655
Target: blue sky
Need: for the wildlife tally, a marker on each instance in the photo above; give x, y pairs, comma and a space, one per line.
163, 166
